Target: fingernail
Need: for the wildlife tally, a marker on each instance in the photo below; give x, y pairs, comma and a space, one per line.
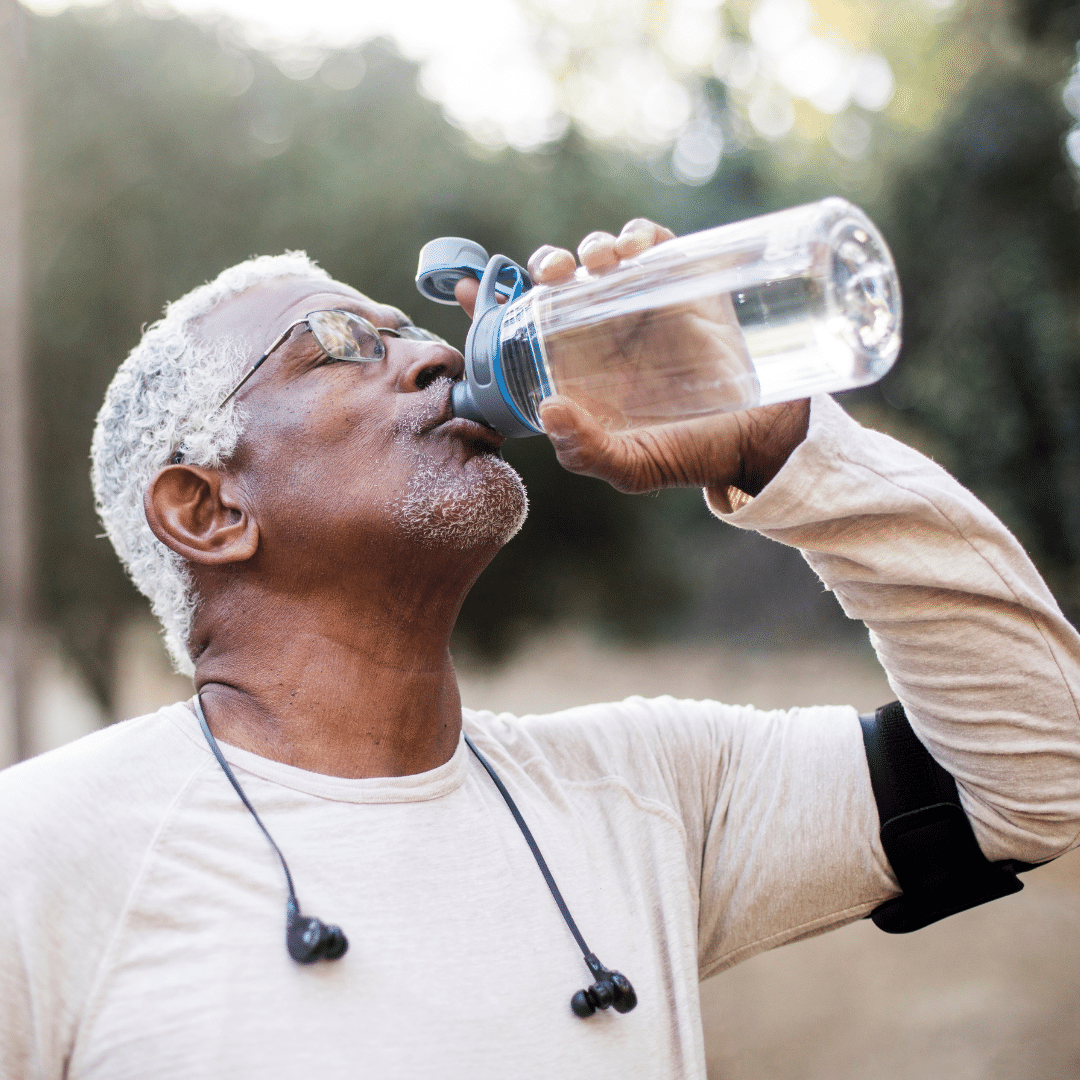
586, 250
555, 422
549, 261
635, 238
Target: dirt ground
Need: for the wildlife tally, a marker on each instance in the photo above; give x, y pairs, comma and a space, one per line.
573, 669
991, 994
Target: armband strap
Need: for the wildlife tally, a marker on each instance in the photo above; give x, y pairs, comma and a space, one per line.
925, 832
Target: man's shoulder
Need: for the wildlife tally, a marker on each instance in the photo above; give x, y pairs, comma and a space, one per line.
616, 723
647, 741
659, 746
116, 781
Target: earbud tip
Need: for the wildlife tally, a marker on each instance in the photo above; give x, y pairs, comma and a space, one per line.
310, 940
625, 998
581, 1004
337, 944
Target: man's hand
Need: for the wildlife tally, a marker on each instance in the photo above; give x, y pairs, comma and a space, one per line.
741, 449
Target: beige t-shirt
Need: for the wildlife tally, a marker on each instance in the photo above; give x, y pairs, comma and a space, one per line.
142, 912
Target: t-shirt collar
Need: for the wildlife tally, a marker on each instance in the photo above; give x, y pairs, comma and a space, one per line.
418, 787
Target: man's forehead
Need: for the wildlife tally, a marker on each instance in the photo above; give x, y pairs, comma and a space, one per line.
261, 313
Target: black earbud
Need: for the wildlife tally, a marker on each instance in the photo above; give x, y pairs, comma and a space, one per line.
612, 989
309, 939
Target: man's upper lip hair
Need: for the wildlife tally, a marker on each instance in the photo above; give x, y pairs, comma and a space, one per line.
444, 414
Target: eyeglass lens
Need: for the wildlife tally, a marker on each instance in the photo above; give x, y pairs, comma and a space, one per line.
346, 336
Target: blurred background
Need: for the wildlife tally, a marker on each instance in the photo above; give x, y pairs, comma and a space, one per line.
146, 145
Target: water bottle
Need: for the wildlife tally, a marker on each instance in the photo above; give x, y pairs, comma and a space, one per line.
752, 313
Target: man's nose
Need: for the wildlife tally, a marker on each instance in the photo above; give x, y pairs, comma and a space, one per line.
424, 362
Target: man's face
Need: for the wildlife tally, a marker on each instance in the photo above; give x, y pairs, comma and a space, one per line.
348, 454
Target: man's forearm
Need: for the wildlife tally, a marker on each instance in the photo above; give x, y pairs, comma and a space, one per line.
971, 638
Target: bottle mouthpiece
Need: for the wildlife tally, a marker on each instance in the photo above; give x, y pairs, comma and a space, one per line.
463, 404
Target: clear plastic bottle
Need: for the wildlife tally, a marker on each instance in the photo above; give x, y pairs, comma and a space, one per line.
760, 311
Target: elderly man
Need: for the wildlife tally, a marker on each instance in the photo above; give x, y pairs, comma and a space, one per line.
306, 541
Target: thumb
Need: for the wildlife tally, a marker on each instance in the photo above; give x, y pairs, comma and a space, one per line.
580, 443
465, 293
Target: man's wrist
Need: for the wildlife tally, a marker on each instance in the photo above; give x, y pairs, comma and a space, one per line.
770, 436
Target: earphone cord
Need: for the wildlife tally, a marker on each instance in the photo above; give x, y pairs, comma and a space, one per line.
240, 791
525, 831
585, 950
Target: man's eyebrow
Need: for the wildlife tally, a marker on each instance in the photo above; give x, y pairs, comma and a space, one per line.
356, 307
392, 322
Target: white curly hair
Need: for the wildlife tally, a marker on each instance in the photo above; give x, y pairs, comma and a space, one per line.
165, 397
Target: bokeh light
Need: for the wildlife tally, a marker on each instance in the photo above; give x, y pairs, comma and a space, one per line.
633, 72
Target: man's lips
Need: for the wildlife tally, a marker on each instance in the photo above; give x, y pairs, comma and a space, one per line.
469, 431
441, 419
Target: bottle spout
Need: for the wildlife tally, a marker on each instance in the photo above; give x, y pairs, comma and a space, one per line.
464, 405
482, 395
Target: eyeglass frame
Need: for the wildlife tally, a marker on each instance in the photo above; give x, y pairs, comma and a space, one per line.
178, 455
280, 340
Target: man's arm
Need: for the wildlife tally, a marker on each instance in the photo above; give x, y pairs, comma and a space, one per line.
973, 642
964, 626
781, 828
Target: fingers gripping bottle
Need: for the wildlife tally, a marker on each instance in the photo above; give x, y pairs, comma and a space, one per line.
771, 309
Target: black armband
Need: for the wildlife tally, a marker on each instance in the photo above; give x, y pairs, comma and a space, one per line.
925, 832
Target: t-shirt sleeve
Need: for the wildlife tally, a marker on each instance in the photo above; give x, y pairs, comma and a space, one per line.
17, 1036
791, 844
53, 913
778, 817
973, 642
974, 646
75, 825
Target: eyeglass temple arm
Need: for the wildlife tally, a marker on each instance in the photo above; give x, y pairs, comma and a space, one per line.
258, 363
284, 334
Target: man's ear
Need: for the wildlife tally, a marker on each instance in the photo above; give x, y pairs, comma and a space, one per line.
199, 514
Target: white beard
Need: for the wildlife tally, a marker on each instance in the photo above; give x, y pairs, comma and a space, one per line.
481, 505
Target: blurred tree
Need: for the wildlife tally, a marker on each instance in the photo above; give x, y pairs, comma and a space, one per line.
16, 608
164, 151
1049, 19
986, 233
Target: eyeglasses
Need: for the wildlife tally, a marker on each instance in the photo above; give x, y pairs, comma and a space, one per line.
342, 335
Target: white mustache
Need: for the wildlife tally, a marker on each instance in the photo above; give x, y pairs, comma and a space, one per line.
431, 408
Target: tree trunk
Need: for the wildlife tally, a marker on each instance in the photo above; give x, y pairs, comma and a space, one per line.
15, 560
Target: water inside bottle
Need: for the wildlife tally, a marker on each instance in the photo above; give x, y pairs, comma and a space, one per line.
827, 320
655, 366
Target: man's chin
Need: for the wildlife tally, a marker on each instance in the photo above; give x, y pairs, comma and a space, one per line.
480, 505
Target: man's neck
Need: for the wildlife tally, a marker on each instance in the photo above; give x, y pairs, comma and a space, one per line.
362, 694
